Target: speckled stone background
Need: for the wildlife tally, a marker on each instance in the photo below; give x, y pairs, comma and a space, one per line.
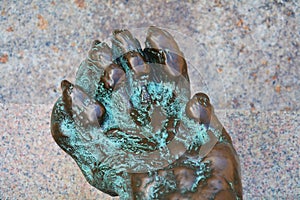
244, 54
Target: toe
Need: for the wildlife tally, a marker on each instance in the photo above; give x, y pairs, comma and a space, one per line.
113, 76
90, 70
100, 54
123, 42
128, 48
161, 39
200, 109
160, 43
84, 110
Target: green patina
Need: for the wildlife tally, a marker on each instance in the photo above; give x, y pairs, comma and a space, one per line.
108, 152
108, 176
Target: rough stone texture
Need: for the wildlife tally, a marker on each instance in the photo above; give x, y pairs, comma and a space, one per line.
33, 166
249, 49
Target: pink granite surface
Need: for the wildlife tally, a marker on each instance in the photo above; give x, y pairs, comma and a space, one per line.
244, 54
34, 167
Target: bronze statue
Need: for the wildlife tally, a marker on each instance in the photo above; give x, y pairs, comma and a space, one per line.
134, 130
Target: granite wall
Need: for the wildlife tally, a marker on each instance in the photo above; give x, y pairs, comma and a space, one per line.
244, 54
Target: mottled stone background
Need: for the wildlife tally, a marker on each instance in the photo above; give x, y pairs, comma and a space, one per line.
244, 54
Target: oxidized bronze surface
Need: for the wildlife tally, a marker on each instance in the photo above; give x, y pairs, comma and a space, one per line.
130, 123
